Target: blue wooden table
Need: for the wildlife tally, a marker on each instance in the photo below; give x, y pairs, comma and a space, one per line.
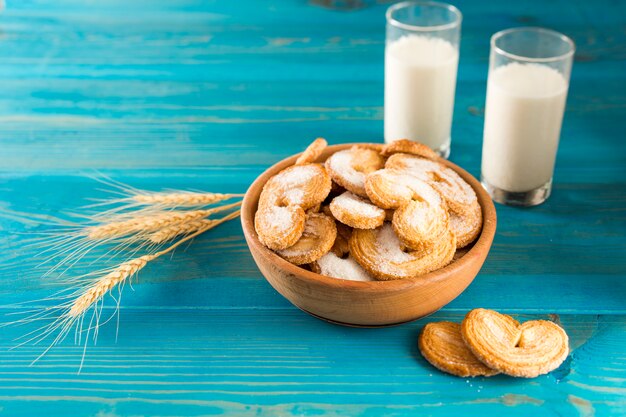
205, 95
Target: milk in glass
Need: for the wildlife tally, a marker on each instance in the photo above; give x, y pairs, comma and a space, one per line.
523, 116
420, 79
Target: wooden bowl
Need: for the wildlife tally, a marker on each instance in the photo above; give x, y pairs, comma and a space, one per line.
371, 304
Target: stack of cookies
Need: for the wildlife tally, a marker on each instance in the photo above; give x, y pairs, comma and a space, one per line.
487, 343
370, 212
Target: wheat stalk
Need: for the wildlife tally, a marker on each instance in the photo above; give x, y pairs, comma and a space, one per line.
151, 223
141, 220
129, 268
171, 232
181, 199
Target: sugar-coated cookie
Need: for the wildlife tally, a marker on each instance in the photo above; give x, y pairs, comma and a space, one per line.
356, 212
349, 167
380, 252
525, 350
317, 239
441, 344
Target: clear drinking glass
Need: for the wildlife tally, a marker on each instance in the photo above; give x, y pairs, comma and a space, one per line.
421, 60
529, 71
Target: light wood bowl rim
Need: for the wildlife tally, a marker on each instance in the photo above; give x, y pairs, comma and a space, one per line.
249, 206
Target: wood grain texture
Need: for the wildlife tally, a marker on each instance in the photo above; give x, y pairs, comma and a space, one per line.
206, 95
283, 362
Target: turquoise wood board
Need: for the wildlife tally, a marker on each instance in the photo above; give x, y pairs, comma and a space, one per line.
192, 94
238, 362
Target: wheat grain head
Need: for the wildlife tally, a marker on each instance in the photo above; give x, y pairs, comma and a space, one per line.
171, 232
106, 283
150, 223
181, 199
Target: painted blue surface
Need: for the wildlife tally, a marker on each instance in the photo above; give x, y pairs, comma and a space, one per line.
205, 95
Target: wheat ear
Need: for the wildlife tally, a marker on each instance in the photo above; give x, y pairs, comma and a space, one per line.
151, 223
181, 199
125, 270
168, 233
107, 283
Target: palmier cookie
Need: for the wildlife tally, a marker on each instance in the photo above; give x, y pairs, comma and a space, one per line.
391, 188
410, 147
335, 266
356, 212
525, 350
420, 225
441, 344
315, 209
349, 167
316, 240
341, 247
279, 227
421, 218
466, 227
312, 152
378, 147
380, 252
279, 220
459, 196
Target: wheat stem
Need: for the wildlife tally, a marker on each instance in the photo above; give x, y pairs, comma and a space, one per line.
151, 223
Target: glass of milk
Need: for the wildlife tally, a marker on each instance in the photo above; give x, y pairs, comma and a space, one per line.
529, 70
421, 60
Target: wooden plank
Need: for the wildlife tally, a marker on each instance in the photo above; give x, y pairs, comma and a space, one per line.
190, 94
270, 363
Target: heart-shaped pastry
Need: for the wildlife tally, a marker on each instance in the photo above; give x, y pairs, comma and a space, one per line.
410, 147
465, 211
312, 152
279, 227
421, 218
356, 212
442, 345
279, 220
380, 252
467, 226
349, 167
341, 247
317, 238
526, 350
458, 194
